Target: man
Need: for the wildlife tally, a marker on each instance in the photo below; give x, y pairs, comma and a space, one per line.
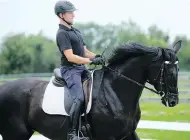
74, 57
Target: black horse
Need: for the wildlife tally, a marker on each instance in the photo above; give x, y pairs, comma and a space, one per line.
117, 88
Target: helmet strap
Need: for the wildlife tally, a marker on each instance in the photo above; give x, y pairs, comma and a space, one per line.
66, 21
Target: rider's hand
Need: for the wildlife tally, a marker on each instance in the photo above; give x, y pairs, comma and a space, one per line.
98, 55
97, 61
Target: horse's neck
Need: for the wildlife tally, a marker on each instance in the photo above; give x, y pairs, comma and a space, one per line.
128, 92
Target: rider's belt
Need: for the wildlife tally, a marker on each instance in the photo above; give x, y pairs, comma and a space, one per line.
69, 64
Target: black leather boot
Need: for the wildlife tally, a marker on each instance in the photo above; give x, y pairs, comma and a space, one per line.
74, 122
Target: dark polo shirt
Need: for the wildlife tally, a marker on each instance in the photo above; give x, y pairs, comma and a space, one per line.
67, 38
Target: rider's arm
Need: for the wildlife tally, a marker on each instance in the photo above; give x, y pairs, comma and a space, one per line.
66, 48
88, 53
75, 58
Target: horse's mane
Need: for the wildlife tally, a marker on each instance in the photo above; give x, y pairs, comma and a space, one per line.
133, 49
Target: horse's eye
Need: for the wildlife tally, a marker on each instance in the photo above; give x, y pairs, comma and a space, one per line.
171, 74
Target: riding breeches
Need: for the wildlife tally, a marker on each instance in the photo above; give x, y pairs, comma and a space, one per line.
73, 77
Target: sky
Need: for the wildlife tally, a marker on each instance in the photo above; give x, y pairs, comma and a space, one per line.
32, 16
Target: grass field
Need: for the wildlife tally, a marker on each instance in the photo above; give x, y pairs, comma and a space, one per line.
158, 112
163, 134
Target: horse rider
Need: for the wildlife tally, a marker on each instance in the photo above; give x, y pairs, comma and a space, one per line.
74, 56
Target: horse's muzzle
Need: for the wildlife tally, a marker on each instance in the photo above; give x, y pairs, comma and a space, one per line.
169, 100
172, 102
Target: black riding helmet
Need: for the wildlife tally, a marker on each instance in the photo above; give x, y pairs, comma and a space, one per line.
64, 6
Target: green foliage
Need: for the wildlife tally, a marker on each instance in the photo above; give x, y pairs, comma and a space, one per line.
20, 53
184, 53
15, 55
23, 54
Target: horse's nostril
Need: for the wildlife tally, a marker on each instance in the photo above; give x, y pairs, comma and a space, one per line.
172, 103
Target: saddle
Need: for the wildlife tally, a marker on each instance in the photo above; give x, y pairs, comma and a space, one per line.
57, 98
58, 80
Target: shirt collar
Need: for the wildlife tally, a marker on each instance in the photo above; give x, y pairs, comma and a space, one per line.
61, 26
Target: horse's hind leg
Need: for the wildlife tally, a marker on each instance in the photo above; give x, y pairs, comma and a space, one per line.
15, 129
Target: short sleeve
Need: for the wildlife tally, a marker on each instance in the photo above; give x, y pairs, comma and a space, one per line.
83, 42
64, 41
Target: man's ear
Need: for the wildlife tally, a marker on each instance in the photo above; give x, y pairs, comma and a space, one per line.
61, 15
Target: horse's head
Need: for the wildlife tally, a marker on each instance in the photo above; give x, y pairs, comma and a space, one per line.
159, 66
163, 74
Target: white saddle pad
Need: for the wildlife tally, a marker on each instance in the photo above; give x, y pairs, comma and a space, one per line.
54, 103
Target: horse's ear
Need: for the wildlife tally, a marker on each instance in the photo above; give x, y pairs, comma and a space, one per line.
177, 46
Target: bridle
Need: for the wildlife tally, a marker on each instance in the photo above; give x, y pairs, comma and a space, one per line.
163, 81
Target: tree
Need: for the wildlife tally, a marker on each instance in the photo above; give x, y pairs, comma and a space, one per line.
36, 53
184, 52
33, 53
155, 32
15, 56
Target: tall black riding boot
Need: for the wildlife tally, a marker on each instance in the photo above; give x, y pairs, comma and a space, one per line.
74, 121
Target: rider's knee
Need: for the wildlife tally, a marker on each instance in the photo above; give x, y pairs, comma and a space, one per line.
79, 99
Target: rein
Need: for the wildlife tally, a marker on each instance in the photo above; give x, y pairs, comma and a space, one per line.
162, 80
129, 79
161, 93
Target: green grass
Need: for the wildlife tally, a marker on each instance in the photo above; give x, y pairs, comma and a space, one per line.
163, 134
36, 133
183, 82
158, 112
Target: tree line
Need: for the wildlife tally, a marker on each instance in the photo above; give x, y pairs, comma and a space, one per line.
20, 53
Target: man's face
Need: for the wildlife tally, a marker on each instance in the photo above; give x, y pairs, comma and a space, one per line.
68, 16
